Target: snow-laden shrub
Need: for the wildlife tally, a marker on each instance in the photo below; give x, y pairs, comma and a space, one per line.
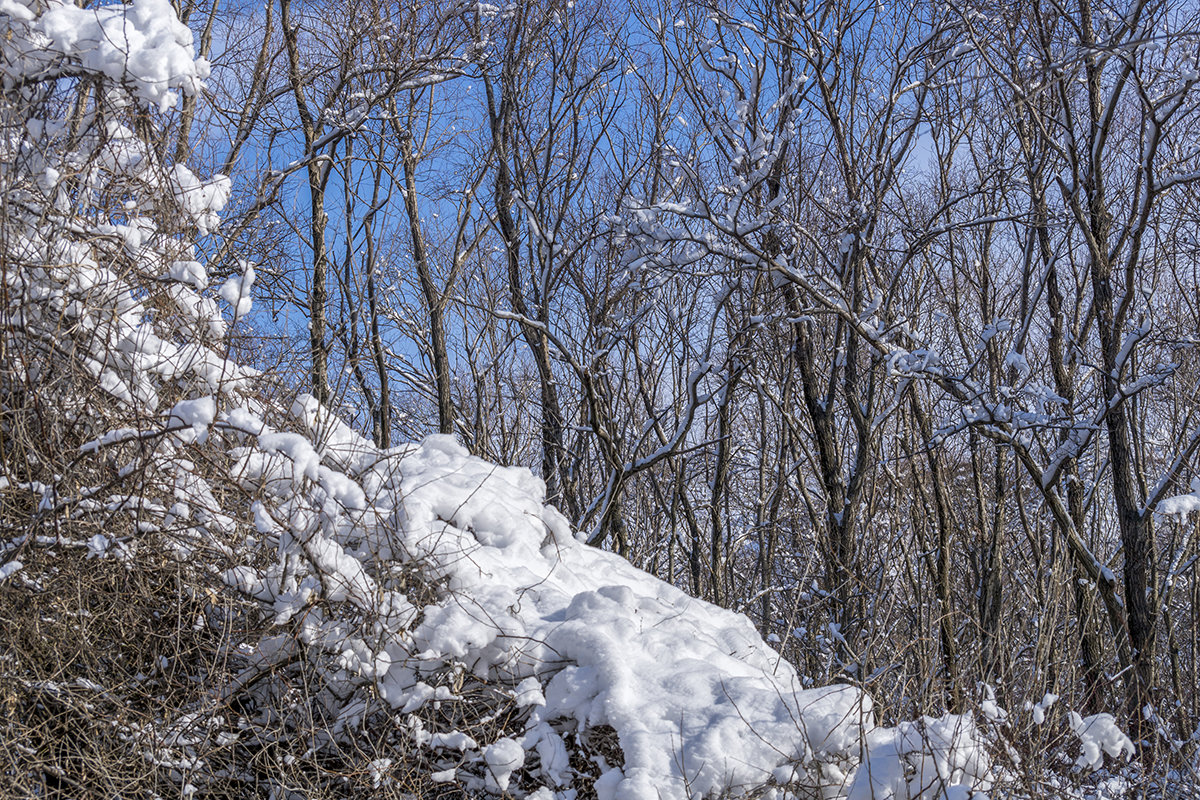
112, 360
264, 603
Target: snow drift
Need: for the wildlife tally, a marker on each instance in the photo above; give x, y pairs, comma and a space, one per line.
582, 641
697, 701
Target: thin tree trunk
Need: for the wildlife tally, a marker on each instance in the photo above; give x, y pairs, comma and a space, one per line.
188, 112
435, 302
318, 296
943, 590
1137, 535
552, 420
378, 352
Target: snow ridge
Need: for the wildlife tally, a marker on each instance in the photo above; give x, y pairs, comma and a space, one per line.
581, 639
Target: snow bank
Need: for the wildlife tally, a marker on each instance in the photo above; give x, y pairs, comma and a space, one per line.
697, 699
698, 703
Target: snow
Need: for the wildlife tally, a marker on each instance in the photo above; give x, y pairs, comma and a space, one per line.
928, 759
98, 546
379, 768
698, 701
1017, 361
529, 693
1098, 736
422, 693
199, 200
17, 9
189, 272
8, 569
193, 418
142, 43
1039, 709
1182, 505
503, 757
236, 291
454, 740
305, 463
444, 776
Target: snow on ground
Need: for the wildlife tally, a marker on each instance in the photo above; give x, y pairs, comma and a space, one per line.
699, 703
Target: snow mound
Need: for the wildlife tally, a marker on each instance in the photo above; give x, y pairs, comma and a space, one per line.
693, 700
696, 698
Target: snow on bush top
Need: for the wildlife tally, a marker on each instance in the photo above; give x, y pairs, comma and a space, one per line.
695, 696
142, 43
1182, 505
88, 264
698, 702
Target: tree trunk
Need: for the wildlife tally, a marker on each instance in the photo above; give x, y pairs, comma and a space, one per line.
435, 302
318, 172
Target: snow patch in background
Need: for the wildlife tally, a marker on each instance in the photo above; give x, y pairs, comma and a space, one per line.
1099, 735
1182, 505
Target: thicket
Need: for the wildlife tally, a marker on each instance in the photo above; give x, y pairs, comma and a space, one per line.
878, 324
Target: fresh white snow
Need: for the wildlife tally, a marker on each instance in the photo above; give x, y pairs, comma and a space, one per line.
699, 703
